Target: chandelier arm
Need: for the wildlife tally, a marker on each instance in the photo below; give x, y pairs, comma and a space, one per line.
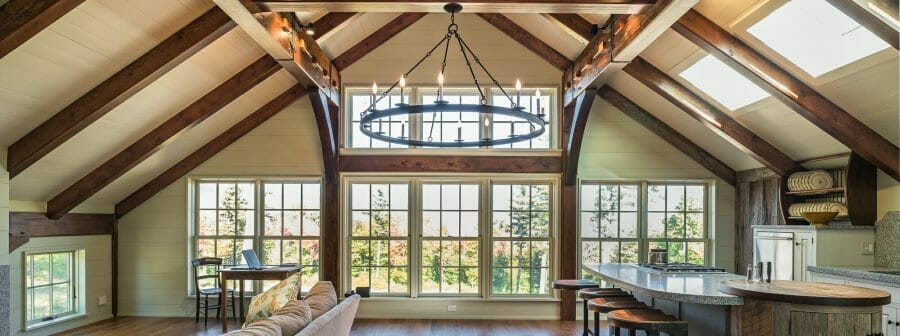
413, 68
496, 83
446, 48
469, 65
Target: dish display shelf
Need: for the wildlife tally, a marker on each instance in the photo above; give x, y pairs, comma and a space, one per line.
854, 186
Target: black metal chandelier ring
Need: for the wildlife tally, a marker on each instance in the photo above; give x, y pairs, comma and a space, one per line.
535, 121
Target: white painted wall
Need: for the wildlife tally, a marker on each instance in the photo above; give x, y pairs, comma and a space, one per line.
153, 238
4, 226
888, 195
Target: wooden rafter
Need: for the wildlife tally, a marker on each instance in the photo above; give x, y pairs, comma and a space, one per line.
25, 225
20, 20
141, 149
527, 40
329, 22
884, 31
376, 39
297, 52
450, 164
672, 136
116, 89
712, 117
630, 35
470, 6
577, 124
208, 150
573, 24
790, 90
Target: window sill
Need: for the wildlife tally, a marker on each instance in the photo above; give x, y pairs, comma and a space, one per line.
67, 318
463, 298
463, 152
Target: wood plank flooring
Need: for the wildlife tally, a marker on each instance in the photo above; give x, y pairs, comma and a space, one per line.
361, 327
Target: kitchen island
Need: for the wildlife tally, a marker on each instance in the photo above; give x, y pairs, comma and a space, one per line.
692, 297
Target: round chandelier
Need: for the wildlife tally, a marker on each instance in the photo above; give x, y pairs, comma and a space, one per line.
372, 119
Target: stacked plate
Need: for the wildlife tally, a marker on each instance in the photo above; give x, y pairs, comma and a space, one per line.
810, 180
797, 209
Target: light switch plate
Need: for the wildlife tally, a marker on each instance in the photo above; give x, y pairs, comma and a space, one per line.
101, 300
451, 308
868, 248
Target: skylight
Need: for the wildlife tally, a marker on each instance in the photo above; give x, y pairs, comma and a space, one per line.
816, 36
722, 83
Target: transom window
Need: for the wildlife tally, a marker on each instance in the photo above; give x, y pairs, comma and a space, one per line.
280, 220
816, 36
50, 286
436, 233
722, 83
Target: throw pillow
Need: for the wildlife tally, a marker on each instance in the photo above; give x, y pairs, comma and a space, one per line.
266, 303
294, 316
321, 298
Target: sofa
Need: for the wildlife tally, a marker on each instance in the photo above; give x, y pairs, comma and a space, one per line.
317, 314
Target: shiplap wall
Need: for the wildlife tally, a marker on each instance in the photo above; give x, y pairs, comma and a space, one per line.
4, 241
153, 238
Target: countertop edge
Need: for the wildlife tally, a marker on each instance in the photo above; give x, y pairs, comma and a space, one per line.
884, 279
692, 298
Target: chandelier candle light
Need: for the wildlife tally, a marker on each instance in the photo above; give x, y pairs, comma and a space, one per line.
535, 120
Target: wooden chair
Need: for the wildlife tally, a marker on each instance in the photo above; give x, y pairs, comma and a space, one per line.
206, 292
593, 293
651, 321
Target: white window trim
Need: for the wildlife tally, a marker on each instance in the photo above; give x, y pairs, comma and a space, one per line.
77, 281
485, 257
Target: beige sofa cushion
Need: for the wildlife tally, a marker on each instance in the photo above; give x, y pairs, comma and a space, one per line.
267, 303
295, 315
321, 298
264, 327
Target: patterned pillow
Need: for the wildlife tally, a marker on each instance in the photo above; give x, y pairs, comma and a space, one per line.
294, 316
321, 298
266, 303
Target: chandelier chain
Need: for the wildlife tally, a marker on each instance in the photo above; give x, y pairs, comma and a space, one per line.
496, 83
469, 65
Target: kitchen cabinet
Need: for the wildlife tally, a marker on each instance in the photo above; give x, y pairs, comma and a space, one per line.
791, 248
890, 314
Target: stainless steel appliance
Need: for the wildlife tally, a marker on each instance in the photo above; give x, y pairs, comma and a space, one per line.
673, 268
778, 248
659, 256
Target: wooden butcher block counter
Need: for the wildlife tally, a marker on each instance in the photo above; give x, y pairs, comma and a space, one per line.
805, 308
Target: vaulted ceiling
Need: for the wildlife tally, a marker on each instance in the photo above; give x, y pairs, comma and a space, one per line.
92, 42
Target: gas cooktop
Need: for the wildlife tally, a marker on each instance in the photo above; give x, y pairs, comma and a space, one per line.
680, 268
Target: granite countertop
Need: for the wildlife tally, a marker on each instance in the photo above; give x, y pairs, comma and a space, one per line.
832, 226
691, 288
861, 272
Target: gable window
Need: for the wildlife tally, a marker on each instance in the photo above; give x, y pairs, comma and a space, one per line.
450, 125
722, 83
815, 36
279, 219
51, 287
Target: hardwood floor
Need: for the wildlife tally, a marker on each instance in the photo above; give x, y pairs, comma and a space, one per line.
361, 327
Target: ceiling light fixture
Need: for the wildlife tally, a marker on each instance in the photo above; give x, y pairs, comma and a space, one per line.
372, 121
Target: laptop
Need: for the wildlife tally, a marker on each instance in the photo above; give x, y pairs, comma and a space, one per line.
252, 261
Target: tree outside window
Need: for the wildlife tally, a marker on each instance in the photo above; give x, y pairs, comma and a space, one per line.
380, 237
520, 239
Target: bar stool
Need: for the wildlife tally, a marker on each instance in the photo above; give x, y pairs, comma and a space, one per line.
593, 293
651, 321
573, 284
608, 304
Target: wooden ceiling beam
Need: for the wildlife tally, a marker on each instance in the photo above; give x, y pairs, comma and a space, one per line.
141, 149
888, 33
712, 117
450, 164
116, 89
330, 22
376, 39
208, 150
630, 36
280, 36
20, 20
469, 6
574, 25
575, 135
527, 40
26, 225
791, 91
664, 131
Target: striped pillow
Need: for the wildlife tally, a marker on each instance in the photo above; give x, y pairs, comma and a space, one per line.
268, 302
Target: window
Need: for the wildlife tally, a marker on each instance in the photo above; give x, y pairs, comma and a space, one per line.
379, 240
816, 36
521, 239
50, 286
228, 220
449, 126
616, 227
722, 83
457, 236
676, 220
609, 222
450, 238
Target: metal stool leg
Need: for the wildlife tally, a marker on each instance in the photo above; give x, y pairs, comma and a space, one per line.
584, 314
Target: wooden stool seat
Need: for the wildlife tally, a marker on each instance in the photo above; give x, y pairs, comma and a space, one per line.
596, 305
616, 305
587, 294
574, 284
652, 321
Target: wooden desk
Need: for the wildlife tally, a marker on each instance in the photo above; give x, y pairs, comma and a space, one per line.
274, 273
